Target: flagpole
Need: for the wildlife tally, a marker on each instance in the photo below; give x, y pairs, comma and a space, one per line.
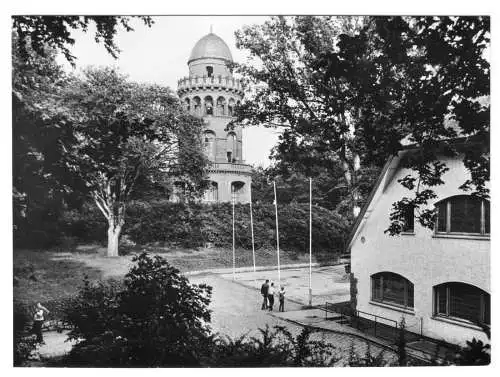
234, 254
310, 241
251, 227
277, 232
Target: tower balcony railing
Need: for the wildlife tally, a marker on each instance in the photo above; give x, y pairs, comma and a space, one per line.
230, 167
194, 82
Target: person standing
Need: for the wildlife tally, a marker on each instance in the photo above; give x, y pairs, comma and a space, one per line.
282, 299
264, 289
38, 319
270, 297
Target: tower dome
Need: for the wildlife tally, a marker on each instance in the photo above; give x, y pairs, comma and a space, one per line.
210, 46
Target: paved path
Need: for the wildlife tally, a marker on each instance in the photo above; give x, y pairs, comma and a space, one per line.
329, 283
236, 308
237, 312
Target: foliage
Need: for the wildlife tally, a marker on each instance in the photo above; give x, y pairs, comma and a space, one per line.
366, 360
156, 318
401, 343
43, 123
474, 353
40, 184
274, 347
37, 33
123, 131
193, 225
24, 342
353, 91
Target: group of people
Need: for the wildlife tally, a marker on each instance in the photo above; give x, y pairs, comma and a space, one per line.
268, 292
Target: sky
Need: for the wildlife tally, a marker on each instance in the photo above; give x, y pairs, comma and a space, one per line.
159, 55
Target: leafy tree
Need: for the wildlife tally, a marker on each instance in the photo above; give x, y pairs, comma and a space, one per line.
39, 33
123, 131
39, 179
352, 93
41, 188
154, 318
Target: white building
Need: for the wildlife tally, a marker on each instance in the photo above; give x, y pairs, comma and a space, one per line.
438, 280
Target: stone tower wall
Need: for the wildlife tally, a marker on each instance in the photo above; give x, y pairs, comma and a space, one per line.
213, 95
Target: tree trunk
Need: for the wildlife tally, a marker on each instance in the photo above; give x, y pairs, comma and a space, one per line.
113, 239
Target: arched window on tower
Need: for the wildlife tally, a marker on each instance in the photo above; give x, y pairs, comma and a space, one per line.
187, 105
209, 144
197, 105
230, 107
209, 105
221, 103
210, 71
237, 191
231, 147
211, 194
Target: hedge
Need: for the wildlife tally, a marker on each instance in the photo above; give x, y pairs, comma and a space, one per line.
195, 225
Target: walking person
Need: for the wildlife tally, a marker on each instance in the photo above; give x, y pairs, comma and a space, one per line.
264, 289
270, 296
282, 299
38, 319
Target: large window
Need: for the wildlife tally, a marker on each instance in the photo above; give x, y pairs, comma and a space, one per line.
391, 288
463, 214
209, 144
409, 220
462, 301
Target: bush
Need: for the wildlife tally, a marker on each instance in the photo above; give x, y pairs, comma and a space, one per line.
274, 347
155, 318
195, 225
24, 341
474, 353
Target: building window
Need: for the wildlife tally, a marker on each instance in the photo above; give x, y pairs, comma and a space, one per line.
237, 191
212, 192
463, 302
463, 214
209, 144
209, 105
231, 147
391, 288
409, 220
210, 71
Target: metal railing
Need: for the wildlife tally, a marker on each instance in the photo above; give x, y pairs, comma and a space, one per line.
219, 81
367, 322
242, 168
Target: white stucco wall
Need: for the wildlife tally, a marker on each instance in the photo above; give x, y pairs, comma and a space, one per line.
422, 258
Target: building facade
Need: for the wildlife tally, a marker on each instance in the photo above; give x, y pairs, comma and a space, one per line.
212, 93
438, 280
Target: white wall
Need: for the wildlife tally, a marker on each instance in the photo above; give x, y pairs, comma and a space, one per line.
422, 258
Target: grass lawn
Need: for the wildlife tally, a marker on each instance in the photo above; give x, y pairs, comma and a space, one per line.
48, 275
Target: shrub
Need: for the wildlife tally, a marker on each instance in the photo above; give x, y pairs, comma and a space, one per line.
474, 353
155, 318
274, 347
24, 341
195, 225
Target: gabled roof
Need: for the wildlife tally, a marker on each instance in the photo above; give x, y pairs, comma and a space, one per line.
362, 213
470, 141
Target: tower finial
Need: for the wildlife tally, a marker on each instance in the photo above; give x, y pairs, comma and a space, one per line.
211, 28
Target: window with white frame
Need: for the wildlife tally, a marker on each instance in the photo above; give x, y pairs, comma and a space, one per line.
391, 288
463, 214
462, 301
